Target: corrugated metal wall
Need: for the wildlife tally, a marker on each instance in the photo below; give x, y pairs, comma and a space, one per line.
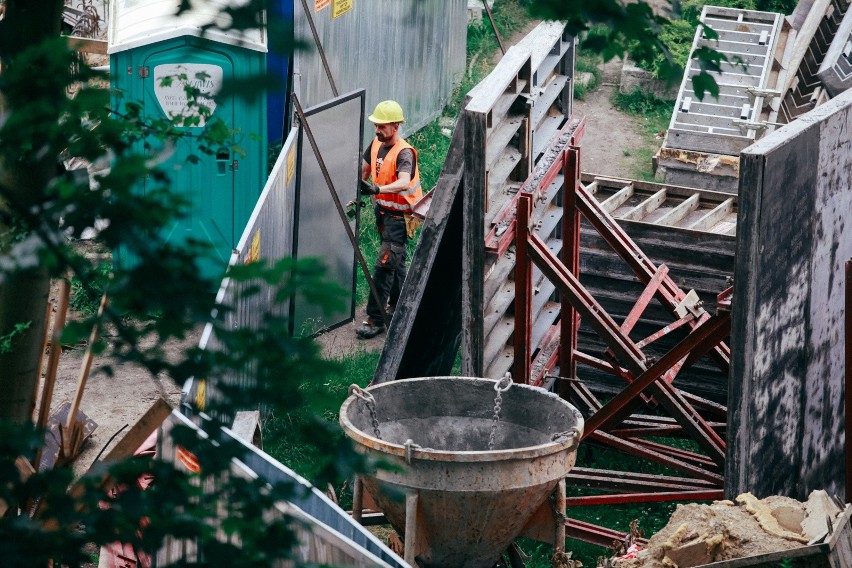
412, 51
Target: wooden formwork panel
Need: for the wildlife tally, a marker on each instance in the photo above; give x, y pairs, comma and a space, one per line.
805, 90
509, 119
750, 40
835, 71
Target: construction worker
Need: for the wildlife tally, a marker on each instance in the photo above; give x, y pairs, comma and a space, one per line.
391, 163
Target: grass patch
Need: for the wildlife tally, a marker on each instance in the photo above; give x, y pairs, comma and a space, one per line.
653, 115
586, 62
302, 457
86, 296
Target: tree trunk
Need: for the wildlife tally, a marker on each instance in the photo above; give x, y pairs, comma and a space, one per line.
23, 294
23, 298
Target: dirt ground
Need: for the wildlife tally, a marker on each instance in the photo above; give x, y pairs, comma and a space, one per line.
610, 144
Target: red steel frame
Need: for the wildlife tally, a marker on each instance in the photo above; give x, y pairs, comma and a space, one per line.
616, 424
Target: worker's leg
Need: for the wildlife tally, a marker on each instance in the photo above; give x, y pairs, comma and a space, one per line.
391, 257
383, 276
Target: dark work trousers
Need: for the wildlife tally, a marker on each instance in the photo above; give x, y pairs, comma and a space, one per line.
390, 270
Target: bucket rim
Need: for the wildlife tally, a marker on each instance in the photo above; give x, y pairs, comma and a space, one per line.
427, 454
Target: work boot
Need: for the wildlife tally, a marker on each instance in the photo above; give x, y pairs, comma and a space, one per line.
369, 329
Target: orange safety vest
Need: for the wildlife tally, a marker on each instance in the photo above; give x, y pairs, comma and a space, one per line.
404, 200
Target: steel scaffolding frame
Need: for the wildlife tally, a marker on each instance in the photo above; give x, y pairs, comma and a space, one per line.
648, 383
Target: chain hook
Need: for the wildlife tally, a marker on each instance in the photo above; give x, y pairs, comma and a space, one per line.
500, 387
503, 384
410, 446
370, 401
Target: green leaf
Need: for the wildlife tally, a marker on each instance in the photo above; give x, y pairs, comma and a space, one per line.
703, 83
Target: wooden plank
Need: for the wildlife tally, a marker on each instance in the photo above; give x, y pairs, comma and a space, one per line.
72, 438
418, 343
140, 431
592, 188
513, 65
673, 217
772, 559
646, 207
55, 353
617, 200
714, 216
473, 246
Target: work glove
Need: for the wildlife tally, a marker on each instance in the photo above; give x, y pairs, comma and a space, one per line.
369, 188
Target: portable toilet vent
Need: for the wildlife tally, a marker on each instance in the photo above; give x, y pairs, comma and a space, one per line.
154, 54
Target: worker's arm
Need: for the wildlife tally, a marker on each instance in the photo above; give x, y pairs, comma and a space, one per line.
397, 186
365, 170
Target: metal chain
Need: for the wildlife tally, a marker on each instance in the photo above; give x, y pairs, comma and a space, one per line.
500, 387
371, 406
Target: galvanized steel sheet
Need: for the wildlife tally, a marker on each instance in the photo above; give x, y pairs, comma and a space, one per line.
411, 51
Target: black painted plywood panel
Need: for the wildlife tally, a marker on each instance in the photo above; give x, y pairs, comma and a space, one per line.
786, 388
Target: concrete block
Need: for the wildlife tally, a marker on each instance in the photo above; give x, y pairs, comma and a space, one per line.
247, 427
476, 10
632, 78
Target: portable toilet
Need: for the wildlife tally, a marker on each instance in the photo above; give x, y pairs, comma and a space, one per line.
153, 54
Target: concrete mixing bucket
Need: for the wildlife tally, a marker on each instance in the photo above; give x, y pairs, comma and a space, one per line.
466, 503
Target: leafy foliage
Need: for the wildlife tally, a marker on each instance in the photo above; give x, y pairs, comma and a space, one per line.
43, 208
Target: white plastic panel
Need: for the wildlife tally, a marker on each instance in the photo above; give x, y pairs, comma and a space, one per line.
141, 22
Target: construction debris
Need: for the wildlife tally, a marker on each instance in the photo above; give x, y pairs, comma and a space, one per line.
701, 534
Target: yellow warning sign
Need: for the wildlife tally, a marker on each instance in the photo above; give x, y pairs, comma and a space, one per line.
254, 251
340, 7
201, 395
320, 4
291, 165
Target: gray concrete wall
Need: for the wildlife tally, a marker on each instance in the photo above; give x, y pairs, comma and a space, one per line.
786, 417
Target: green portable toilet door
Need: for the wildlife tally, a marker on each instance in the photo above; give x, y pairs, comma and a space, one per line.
209, 184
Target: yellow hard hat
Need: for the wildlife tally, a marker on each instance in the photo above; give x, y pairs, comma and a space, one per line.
387, 112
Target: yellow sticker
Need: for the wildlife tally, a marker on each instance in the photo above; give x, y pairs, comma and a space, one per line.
201, 395
320, 4
254, 251
340, 7
291, 164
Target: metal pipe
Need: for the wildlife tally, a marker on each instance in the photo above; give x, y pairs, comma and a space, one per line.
340, 212
709, 495
493, 25
570, 321
523, 293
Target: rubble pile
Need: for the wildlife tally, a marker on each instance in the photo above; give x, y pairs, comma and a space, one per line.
701, 534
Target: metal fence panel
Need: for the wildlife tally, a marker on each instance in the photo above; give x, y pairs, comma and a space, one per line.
268, 236
411, 51
337, 127
326, 534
